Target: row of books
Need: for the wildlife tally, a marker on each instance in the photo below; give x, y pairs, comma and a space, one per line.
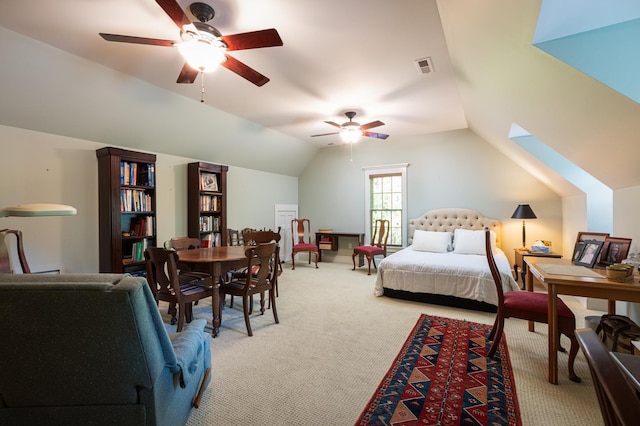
141, 227
209, 203
209, 223
140, 174
211, 240
135, 200
137, 252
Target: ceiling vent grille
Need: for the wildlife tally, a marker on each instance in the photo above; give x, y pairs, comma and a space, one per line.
425, 65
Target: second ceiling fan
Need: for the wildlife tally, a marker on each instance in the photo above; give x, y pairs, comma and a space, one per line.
203, 46
350, 131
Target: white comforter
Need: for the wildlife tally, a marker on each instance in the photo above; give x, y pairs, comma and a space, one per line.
452, 274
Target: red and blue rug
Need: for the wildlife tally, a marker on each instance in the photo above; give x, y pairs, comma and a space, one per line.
442, 377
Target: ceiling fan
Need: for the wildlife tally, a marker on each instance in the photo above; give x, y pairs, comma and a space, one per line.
203, 46
350, 131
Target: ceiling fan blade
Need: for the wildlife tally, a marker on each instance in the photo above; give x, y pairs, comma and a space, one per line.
375, 135
137, 40
175, 12
187, 74
372, 125
244, 71
253, 40
325, 134
333, 124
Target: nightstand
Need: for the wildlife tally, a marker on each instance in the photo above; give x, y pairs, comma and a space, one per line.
520, 264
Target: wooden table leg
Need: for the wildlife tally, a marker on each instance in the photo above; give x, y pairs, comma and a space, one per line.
553, 333
611, 307
528, 285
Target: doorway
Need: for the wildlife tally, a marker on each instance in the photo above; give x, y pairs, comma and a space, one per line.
284, 214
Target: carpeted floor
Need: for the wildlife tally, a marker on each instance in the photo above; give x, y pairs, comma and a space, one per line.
334, 343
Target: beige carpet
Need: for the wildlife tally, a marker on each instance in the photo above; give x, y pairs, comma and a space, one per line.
335, 342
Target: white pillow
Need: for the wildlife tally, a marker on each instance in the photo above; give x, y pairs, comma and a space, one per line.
437, 242
466, 241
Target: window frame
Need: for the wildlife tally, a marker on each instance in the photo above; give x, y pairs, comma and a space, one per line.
369, 171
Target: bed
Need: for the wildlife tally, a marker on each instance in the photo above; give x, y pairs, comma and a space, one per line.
445, 261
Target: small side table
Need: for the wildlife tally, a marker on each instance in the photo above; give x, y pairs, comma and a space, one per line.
520, 263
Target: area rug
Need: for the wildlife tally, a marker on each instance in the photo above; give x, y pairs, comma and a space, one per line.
442, 377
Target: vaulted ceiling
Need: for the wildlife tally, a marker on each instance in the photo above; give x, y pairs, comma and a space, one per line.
60, 77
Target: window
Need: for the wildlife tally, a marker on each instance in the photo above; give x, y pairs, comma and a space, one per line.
385, 192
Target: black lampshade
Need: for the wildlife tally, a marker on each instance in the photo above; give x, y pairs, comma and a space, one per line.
523, 211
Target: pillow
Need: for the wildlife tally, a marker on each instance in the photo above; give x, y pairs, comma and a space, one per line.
437, 242
466, 241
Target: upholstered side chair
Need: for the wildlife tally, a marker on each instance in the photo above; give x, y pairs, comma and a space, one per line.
301, 240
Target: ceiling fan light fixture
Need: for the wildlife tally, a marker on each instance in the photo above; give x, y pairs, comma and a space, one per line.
201, 55
350, 133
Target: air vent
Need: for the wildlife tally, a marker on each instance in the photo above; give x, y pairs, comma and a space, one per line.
425, 66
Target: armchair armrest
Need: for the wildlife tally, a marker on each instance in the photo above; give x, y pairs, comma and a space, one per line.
190, 346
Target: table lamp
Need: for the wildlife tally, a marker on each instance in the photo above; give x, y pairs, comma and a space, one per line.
523, 211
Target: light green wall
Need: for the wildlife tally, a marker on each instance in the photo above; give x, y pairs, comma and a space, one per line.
38, 167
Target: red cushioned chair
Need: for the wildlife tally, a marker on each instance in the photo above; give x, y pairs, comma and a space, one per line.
301, 238
378, 246
530, 306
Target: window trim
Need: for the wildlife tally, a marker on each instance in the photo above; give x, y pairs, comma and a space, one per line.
370, 171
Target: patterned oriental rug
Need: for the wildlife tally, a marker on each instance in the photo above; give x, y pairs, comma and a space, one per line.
442, 377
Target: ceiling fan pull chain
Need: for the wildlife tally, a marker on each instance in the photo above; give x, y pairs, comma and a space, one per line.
202, 93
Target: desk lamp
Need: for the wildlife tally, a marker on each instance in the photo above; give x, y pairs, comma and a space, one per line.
28, 210
523, 211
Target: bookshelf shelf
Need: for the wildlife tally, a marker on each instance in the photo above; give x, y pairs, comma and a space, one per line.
207, 203
127, 208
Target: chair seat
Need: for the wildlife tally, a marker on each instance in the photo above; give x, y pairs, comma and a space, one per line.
305, 246
534, 302
371, 250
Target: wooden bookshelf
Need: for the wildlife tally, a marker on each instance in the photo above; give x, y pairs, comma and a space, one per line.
207, 203
127, 208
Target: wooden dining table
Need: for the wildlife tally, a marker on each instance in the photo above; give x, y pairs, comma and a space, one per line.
560, 276
215, 261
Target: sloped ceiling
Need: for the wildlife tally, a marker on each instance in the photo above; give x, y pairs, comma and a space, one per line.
488, 76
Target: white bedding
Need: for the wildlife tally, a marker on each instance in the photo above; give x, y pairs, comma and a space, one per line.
461, 275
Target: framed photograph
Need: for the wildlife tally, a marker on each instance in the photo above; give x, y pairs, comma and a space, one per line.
589, 254
598, 236
208, 182
614, 250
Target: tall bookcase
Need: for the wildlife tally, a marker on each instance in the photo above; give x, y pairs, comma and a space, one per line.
127, 208
207, 203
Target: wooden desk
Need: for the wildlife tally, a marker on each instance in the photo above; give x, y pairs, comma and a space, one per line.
334, 237
599, 288
215, 261
520, 254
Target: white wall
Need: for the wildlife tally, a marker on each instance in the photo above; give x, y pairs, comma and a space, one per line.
450, 169
44, 168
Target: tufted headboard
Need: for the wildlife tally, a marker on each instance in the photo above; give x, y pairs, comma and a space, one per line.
447, 220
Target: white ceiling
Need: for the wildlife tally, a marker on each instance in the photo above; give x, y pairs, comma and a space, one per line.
337, 56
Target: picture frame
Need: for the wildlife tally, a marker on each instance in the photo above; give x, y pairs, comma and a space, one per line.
588, 236
589, 254
208, 182
577, 249
614, 250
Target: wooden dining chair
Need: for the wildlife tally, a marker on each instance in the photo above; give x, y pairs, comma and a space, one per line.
5, 259
301, 240
530, 306
179, 290
234, 237
263, 281
378, 246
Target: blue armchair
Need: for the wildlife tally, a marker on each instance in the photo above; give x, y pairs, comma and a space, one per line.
92, 349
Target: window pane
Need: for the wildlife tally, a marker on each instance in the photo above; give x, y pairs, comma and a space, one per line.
386, 203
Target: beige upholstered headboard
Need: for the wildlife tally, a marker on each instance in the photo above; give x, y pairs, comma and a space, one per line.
447, 220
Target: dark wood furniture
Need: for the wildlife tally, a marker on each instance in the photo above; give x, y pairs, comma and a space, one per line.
520, 264
215, 261
126, 208
262, 257
301, 240
207, 203
330, 241
234, 237
587, 286
378, 246
613, 377
180, 290
529, 306
5, 261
